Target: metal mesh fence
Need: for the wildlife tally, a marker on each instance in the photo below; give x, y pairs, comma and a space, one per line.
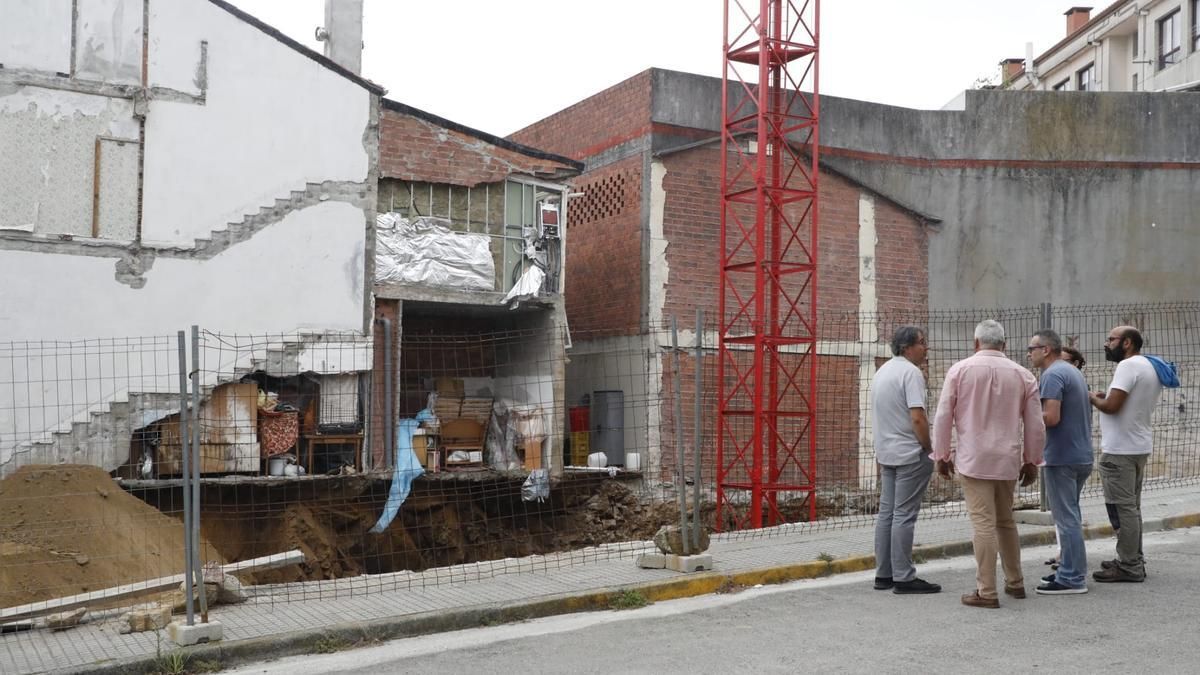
404, 458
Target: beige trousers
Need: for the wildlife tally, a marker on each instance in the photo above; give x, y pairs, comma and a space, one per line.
989, 504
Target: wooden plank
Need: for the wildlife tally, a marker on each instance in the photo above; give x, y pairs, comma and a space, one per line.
35, 609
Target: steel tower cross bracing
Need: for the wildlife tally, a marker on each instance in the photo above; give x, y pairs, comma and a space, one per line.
767, 363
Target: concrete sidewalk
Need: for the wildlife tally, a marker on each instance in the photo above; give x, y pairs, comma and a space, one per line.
293, 619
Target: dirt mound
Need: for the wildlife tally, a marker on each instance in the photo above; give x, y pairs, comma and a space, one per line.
68, 529
613, 513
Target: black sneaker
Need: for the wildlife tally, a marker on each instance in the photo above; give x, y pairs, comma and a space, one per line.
1049, 577
914, 587
883, 583
1055, 588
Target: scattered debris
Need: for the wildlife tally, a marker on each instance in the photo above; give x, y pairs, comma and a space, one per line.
669, 539
155, 617
229, 591
65, 620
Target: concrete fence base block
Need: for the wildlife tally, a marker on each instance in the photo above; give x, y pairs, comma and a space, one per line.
186, 636
700, 562
680, 563
652, 561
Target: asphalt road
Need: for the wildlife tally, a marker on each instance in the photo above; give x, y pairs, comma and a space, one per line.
839, 624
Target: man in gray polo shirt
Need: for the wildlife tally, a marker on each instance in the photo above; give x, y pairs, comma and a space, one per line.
902, 447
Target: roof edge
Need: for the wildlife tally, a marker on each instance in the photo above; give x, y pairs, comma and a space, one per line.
403, 108
1058, 46
825, 166
296, 46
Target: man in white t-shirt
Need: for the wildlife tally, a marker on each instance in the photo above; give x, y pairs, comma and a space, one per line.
901, 434
1126, 440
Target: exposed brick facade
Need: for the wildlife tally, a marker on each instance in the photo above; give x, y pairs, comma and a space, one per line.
609, 118
604, 282
691, 227
902, 261
411, 148
604, 252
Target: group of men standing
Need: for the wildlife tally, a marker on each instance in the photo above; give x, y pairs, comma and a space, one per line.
1007, 423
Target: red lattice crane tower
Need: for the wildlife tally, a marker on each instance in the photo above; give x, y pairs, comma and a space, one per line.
767, 362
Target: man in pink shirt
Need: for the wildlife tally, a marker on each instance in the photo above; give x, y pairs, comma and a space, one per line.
986, 398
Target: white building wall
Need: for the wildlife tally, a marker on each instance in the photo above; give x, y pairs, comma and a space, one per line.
48, 139
264, 284
234, 120
271, 122
36, 35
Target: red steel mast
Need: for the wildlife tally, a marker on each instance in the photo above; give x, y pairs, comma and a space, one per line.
767, 361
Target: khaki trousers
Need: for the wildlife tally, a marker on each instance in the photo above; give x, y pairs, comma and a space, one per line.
989, 504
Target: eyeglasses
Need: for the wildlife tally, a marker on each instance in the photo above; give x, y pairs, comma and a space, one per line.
1030, 349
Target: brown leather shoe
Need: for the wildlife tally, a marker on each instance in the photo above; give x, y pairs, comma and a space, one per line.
975, 600
1018, 592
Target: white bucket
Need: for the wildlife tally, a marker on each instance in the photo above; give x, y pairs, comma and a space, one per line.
276, 466
633, 461
597, 460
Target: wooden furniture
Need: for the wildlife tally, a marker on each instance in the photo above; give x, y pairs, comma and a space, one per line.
314, 441
462, 435
423, 444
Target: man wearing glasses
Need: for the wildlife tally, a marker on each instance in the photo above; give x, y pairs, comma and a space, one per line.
1068, 456
1126, 441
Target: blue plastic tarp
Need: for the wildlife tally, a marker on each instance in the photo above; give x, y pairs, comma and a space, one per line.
407, 468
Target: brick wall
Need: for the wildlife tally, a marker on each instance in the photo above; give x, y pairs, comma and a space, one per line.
613, 116
691, 226
691, 223
414, 149
902, 261
604, 252
837, 421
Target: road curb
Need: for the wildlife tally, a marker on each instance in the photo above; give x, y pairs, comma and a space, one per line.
227, 654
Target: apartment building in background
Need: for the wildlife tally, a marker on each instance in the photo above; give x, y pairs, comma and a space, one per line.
1132, 45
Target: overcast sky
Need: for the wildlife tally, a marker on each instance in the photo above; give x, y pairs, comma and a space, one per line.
499, 65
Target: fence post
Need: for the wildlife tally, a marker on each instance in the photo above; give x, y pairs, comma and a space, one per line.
1047, 323
680, 475
194, 523
698, 365
185, 462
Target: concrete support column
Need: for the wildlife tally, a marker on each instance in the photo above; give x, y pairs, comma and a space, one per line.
868, 338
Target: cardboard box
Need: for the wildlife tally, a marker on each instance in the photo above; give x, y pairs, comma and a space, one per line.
422, 444
533, 454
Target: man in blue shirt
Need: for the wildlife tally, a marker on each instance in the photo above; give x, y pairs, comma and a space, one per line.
1068, 417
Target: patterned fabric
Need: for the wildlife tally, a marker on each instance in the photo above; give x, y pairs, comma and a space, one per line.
277, 431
